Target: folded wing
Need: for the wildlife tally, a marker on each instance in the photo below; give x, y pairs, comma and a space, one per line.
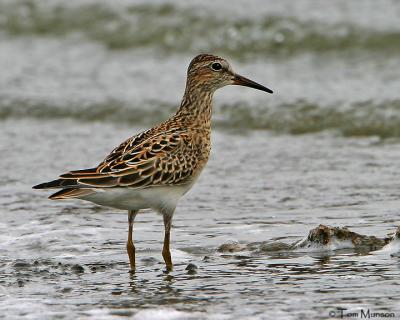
163, 159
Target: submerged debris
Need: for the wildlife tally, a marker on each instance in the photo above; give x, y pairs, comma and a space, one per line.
274, 246
333, 238
149, 261
321, 238
231, 246
20, 264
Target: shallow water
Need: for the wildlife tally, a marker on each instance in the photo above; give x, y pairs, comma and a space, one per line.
323, 149
303, 181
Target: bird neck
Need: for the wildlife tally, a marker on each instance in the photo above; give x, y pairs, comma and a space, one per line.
196, 106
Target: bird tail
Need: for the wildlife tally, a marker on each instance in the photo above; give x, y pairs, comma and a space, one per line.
57, 184
69, 185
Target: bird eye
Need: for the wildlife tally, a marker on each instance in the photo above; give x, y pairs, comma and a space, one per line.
216, 66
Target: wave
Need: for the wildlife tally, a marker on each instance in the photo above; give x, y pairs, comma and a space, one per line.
174, 29
366, 118
357, 119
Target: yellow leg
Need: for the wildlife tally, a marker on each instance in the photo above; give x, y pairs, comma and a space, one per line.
129, 245
166, 253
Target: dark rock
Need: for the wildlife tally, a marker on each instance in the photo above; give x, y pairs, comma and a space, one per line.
19, 264
77, 268
191, 268
116, 292
242, 263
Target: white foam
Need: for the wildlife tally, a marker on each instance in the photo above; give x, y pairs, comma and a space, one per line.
180, 256
172, 314
163, 314
334, 244
100, 314
392, 247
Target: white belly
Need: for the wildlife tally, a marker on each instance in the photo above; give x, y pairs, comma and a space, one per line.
163, 198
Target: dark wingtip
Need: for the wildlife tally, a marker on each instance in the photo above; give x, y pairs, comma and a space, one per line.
70, 193
58, 194
51, 184
39, 186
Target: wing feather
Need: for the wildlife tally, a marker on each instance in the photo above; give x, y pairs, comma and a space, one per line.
161, 159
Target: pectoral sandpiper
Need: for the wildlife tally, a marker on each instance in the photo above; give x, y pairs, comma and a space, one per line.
155, 168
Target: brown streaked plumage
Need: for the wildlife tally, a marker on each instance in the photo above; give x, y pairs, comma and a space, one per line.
155, 168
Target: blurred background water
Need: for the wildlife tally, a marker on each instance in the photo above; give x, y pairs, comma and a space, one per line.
78, 77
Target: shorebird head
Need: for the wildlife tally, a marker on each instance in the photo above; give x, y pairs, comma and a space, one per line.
209, 72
